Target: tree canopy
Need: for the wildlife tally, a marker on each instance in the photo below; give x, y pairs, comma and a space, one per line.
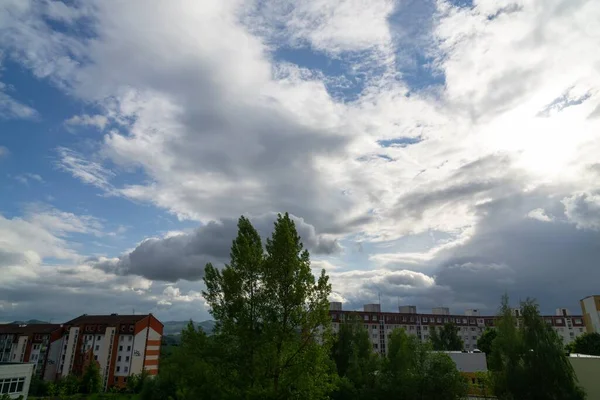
588, 343
446, 338
528, 360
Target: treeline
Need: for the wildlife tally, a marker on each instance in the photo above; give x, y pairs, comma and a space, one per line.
273, 341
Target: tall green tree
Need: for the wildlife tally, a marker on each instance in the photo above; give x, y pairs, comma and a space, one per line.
484, 343
412, 371
446, 338
528, 361
236, 295
356, 363
271, 310
91, 381
588, 343
296, 317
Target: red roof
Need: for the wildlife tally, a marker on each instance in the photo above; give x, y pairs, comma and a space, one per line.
115, 319
26, 329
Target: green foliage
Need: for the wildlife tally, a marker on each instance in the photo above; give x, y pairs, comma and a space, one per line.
38, 387
588, 343
273, 315
413, 371
135, 382
528, 361
484, 343
91, 381
445, 338
356, 363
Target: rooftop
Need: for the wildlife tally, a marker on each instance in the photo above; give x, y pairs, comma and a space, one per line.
111, 319
28, 328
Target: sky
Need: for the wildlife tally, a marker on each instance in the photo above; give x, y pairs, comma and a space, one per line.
431, 152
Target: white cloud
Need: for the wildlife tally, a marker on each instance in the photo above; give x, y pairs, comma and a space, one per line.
89, 172
540, 215
219, 127
13, 109
27, 177
98, 121
583, 210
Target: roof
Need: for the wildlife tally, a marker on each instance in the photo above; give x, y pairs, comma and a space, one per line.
28, 328
112, 319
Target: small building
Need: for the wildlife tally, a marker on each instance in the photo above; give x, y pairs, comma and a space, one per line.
587, 370
15, 379
590, 308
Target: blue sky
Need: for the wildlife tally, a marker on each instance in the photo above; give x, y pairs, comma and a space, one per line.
413, 142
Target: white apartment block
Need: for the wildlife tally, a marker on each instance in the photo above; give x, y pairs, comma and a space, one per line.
470, 327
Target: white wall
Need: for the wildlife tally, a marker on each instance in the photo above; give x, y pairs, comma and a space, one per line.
54, 353
125, 349
139, 348
10, 371
69, 353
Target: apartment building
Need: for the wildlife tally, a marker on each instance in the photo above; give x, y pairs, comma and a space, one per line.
22, 343
471, 326
590, 308
122, 345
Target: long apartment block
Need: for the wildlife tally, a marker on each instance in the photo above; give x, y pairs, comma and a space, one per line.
121, 345
471, 325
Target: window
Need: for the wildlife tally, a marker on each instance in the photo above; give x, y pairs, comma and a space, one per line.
126, 369
120, 348
472, 329
474, 337
424, 319
467, 346
445, 320
559, 320
128, 348
121, 338
374, 327
96, 358
97, 347
119, 358
118, 369
464, 320
375, 336
125, 379
438, 320
99, 337
425, 328
375, 346
412, 328
116, 379
580, 330
127, 359
577, 321
366, 317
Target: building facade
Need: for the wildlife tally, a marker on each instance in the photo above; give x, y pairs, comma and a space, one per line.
121, 345
15, 379
381, 324
22, 343
590, 308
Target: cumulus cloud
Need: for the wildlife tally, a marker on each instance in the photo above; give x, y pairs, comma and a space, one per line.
217, 129
98, 121
184, 255
583, 210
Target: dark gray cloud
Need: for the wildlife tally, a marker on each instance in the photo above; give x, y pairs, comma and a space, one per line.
184, 256
583, 210
8, 258
555, 262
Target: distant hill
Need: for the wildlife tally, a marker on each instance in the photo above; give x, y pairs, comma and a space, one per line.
175, 327
30, 322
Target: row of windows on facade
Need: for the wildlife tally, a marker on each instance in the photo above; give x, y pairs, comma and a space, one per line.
412, 328
439, 320
12, 385
90, 337
97, 348
123, 328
